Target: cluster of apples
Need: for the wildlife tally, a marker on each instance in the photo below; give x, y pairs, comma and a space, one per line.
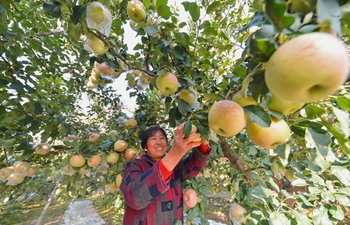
15, 174
305, 69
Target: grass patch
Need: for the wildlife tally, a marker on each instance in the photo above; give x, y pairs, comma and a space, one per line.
28, 214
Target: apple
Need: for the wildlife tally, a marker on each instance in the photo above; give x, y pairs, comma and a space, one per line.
193, 132
112, 187
93, 137
122, 64
90, 85
95, 44
144, 79
94, 161
85, 172
236, 213
95, 72
188, 96
77, 160
132, 83
269, 137
130, 153
112, 158
307, 68
43, 148
118, 180
32, 170
68, 170
136, 72
244, 101
21, 167
113, 133
167, 84
136, 11
93, 80
99, 17
5, 173
226, 118
105, 68
15, 178
190, 198
284, 107
120, 145
278, 170
131, 123
70, 137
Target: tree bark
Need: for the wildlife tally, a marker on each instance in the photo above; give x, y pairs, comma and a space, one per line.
49, 200
231, 155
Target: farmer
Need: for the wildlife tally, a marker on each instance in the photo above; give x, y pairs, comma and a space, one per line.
152, 184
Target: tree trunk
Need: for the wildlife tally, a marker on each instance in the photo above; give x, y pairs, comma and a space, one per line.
49, 200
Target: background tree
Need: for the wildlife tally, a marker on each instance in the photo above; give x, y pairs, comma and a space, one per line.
52, 53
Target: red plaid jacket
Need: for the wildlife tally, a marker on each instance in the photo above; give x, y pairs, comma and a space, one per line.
149, 199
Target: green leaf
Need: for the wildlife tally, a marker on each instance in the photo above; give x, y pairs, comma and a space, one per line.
314, 112
343, 102
262, 194
183, 107
320, 216
17, 85
151, 30
343, 118
283, 152
37, 108
337, 212
277, 218
193, 9
258, 115
6, 4
343, 174
78, 12
52, 8
164, 11
276, 14
329, 10
187, 129
301, 218
343, 200
209, 31
34, 125
319, 138
213, 6
146, 3
260, 49
161, 2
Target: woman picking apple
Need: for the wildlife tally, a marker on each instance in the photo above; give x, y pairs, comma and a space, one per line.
152, 184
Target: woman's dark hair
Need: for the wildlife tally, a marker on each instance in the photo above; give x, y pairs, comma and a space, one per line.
149, 133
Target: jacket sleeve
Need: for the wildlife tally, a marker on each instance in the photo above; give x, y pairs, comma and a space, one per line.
141, 189
193, 164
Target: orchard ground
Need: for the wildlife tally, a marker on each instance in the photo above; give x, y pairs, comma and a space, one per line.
28, 214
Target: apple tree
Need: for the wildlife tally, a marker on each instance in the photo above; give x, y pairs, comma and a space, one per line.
265, 81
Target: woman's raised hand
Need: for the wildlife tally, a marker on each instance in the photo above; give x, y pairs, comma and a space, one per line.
181, 144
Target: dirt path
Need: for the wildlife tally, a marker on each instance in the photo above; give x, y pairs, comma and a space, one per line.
81, 212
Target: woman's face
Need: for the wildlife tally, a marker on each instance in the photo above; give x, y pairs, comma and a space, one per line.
156, 145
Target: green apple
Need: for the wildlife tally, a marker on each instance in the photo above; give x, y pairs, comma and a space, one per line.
136, 11
43, 148
144, 79
120, 145
236, 213
269, 137
284, 107
167, 84
5, 173
99, 17
131, 123
307, 68
95, 45
188, 96
112, 158
226, 118
244, 101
